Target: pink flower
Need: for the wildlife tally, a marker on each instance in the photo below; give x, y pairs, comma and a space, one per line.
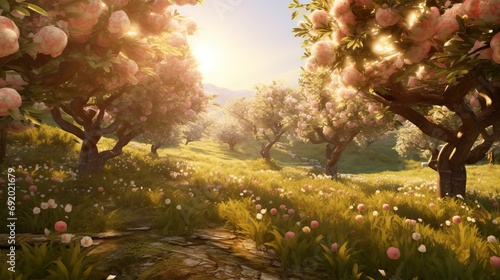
386, 207
289, 235
26, 197
306, 230
351, 76
361, 207
387, 17
314, 224
51, 40
495, 261
66, 238
319, 18
118, 22
359, 218
9, 37
334, 247
285, 216
416, 53
258, 207
456, 219
282, 206
291, 212
60, 226
273, 211
9, 99
340, 7
100, 189
155, 22
495, 46
33, 188
323, 52
86, 241
393, 253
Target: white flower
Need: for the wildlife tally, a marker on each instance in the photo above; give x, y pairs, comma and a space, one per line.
167, 201
66, 238
86, 241
52, 203
491, 239
68, 208
46, 231
416, 236
44, 205
259, 216
263, 211
395, 208
495, 222
179, 207
36, 210
375, 213
448, 223
422, 248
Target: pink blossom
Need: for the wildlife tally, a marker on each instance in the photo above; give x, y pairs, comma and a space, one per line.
361, 207
334, 247
86, 241
13, 80
359, 218
9, 37
393, 253
155, 22
66, 238
273, 211
351, 76
485, 11
258, 207
495, 261
495, 46
340, 7
319, 18
189, 25
9, 98
161, 5
282, 206
118, 22
60, 226
456, 219
416, 53
387, 17
314, 224
51, 40
33, 188
323, 52
291, 212
289, 235
100, 189
26, 197
386, 207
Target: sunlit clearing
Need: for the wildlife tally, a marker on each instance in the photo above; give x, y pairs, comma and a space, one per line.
383, 46
207, 57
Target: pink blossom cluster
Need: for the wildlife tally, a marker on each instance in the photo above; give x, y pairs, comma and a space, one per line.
51, 40
88, 12
13, 80
9, 100
118, 22
9, 37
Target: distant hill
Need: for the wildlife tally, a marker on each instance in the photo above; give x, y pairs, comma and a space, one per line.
224, 94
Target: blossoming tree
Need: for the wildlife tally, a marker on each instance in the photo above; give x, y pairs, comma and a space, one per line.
329, 115
266, 114
413, 57
114, 67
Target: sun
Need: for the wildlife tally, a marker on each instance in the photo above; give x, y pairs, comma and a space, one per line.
207, 57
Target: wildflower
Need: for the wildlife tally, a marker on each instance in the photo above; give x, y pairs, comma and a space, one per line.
359, 218
314, 224
495, 222
86, 241
60, 226
289, 235
263, 211
282, 206
36, 210
411, 222
66, 238
167, 201
291, 212
273, 211
393, 253
306, 230
395, 208
33, 188
285, 216
26, 197
361, 207
490, 239
52, 203
432, 204
259, 216
422, 248
416, 236
258, 207
44, 205
456, 219
448, 223
178, 207
68, 208
46, 231
334, 247
386, 207
100, 189
375, 213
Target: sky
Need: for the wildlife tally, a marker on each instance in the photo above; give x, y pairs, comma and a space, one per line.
242, 43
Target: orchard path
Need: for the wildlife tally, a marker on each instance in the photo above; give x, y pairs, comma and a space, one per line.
206, 254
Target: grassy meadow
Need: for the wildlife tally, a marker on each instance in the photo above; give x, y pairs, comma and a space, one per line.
382, 221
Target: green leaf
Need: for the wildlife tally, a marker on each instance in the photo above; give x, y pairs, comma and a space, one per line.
35, 8
22, 11
4, 5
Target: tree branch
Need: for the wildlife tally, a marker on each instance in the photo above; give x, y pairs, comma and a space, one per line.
65, 125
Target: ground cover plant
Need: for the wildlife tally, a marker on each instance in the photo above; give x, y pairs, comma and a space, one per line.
366, 226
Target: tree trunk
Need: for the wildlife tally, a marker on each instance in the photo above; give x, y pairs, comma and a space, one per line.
231, 146
331, 168
154, 149
3, 145
265, 151
452, 177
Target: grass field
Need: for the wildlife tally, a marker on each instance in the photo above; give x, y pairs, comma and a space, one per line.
385, 216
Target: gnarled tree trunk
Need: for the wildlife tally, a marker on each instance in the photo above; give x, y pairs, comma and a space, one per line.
154, 149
